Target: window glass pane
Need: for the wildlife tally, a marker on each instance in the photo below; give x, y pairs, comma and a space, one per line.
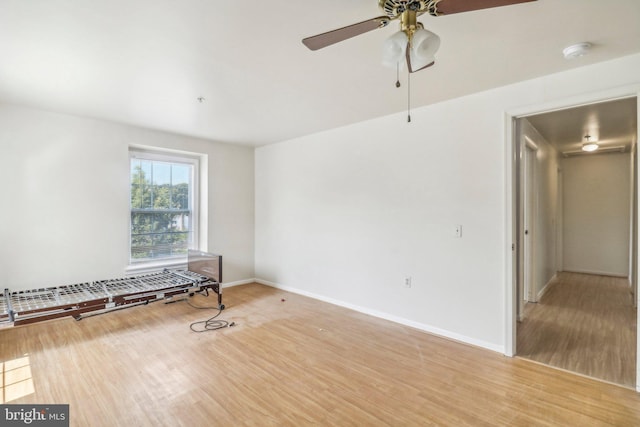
162, 223
160, 185
136, 192
181, 222
141, 237
180, 176
140, 192
161, 209
161, 173
161, 196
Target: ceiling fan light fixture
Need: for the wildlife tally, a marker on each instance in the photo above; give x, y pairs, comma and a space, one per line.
589, 145
394, 50
424, 45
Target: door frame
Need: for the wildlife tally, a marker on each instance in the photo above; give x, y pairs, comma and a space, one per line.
511, 191
528, 215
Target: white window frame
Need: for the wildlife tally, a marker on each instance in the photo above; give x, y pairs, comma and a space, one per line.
170, 157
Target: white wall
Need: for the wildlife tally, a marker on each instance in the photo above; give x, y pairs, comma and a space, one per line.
546, 210
65, 206
597, 210
633, 247
345, 214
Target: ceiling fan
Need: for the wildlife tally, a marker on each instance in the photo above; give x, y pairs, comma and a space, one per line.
412, 44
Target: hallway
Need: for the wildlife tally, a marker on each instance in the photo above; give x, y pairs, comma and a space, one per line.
585, 324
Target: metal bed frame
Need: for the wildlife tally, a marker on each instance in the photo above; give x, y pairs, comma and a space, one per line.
24, 307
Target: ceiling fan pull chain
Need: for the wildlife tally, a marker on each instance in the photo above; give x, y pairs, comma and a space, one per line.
408, 96
398, 74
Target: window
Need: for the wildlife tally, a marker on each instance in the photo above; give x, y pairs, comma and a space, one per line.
163, 206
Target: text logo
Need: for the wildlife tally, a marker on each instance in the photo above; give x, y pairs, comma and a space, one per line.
34, 415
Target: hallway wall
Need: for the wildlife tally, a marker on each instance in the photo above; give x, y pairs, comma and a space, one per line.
597, 214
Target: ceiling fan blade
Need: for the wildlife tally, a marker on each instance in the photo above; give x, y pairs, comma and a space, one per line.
344, 33
448, 7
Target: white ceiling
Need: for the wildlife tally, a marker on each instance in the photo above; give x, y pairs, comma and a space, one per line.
145, 62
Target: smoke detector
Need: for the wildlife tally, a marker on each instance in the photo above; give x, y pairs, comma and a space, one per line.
576, 50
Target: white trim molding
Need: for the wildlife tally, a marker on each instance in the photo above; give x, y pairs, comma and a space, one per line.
546, 287
238, 283
382, 315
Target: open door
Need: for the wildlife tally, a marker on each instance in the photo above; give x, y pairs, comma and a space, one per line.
528, 207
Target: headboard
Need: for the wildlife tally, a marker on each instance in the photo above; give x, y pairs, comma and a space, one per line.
204, 263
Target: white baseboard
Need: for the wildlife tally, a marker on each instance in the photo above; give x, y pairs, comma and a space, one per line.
238, 282
382, 315
598, 273
272, 284
545, 288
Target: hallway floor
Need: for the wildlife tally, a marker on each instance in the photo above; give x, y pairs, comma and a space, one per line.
585, 324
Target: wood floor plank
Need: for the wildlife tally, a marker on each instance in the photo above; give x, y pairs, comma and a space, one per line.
585, 324
293, 362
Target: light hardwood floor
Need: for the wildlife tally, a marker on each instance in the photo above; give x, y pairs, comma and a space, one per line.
583, 323
293, 362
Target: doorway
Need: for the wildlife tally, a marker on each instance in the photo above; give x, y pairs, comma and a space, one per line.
543, 265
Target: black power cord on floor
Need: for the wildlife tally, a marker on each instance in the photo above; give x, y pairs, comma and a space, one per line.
211, 324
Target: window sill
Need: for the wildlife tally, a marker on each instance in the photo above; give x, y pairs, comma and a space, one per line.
153, 266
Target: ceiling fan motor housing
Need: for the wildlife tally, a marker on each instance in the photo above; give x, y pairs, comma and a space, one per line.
395, 8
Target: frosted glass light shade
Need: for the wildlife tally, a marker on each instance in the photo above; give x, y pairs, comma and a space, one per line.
394, 50
424, 46
589, 146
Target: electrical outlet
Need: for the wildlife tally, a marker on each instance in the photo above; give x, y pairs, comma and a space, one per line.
457, 231
407, 282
